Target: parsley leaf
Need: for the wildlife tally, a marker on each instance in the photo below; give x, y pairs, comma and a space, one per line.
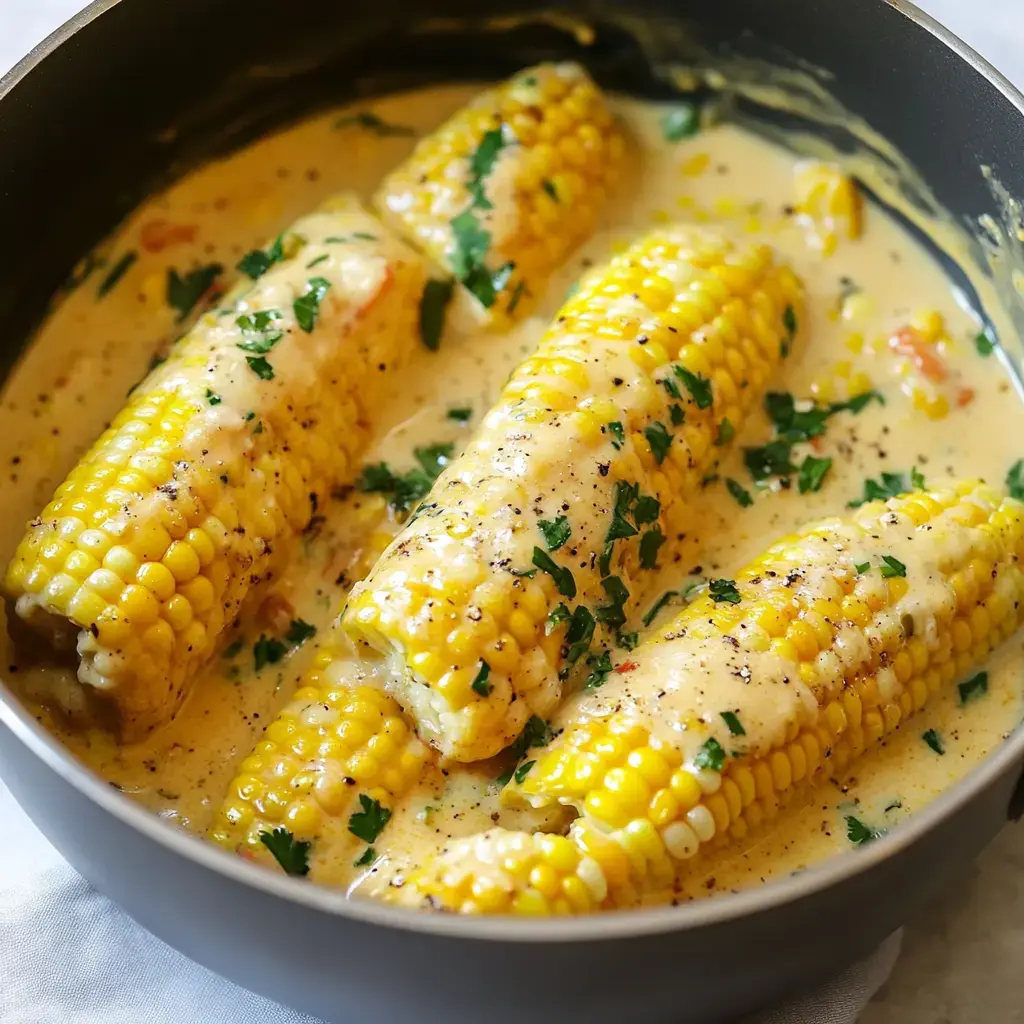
212, 397
893, 567
481, 163
711, 756
368, 823
433, 309
858, 833
934, 740
299, 632
368, 857
549, 186
559, 614
678, 417
602, 666
460, 415
523, 770
256, 263
433, 458
307, 306
1015, 480
680, 122
482, 684
726, 432
556, 531
627, 641
292, 854
862, 567
790, 322
467, 261
659, 439
891, 485
984, 344
184, 292
741, 495
772, 459
625, 497
260, 367
116, 272
724, 591
650, 543
735, 725
812, 473
259, 335
267, 651
698, 386
536, 733
652, 612
618, 434
579, 634
563, 577
613, 614
917, 480
976, 686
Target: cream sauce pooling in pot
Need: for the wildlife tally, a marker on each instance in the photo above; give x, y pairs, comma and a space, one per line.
853, 336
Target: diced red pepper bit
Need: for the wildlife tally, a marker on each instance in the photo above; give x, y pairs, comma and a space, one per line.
157, 235
626, 666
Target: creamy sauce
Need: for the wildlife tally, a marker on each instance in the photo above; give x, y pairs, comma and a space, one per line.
92, 349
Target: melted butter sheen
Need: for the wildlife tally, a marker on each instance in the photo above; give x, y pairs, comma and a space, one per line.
74, 378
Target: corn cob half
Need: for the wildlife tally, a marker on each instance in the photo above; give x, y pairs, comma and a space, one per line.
510, 185
815, 652
544, 531
189, 500
339, 738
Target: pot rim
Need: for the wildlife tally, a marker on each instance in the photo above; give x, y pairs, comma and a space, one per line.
600, 927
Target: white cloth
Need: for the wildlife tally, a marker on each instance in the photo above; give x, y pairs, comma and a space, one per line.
69, 956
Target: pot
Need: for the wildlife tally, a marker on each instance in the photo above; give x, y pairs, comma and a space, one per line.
130, 94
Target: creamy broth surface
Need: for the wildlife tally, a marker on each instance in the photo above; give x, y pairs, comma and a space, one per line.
93, 348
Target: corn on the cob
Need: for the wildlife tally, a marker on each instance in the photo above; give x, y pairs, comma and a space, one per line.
586, 464
339, 737
829, 204
823, 646
510, 185
502, 872
190, 498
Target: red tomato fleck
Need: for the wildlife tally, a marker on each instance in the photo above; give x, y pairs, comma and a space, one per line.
157, 235
627, 666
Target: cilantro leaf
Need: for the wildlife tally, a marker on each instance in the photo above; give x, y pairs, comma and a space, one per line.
556, 531
433, 309
212, 397
974, 687
934, 740
984, 344
299, 632
791, 324
772, 459
724, 591
267, 651
650, 543
368, 857
461, 414
563, 577
481, 683
735, 725
698, 386
659, 439
618, 435
256, 263
523, 770
579, 634
602, 666
259, 334
710, 756
536, 733
481, 163
433, 458
893, 567
307, 306
627, 641
260, 367
726, 432
1015, 480
184, 292
917, 480
812, 473
858, 833
890, 485
292, 854
368, 823
613, 614
559, 614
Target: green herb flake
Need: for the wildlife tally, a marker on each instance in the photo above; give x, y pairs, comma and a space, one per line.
307, 306
462, 414
976, 686
267, 651
711, 756
481, 683
316, 262
677, 415
256, 263
858, 833
892, 567
650, 543
735, 725
698, 386
613, 614
556, 531
618, 434
260, 366
579, 634
368, 823
559, 614
371, 122
522, 771
862, 567
741, 494
889, 485
116, 272
790, 322
652, 612
772, 459
681, 122
724, 592
1015, 480
433, 458
671, 387
259, 331
984, 344
627, 641
368, 857
433, 309
812, 473
934, 740
563, 577
299, 632
233, 649
184, 292
212, 397
481, 164
602, 667
536, 733
659, 439
549, 187
917, 480
726, 432
291, 853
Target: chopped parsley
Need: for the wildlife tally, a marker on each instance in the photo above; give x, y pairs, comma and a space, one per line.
234, 648
627, 641
116, 272
368, 823
259, 331
549, 186
563, 577
934, 740
812, 473
618, 434
681, 122
862, 567
671, 387
613, 614
406, 489
299, 632
984, 344
307, 306
559, 614
212, 397
184, 292
468, 260
652, 612
726, 432
536, 733
889, 485
433, 309
792, 325
892, 567
677, 415
772, 459
523, 770
256, 263
267, 651
724, 591
481, 163
741, 495
917, 479
291, 853
650, 543
659, 439
372, 122
556, 531
858, 833
368, 857
1015, 480
735, 725
698, 386
710, 756
433, 458
460, 414
482, 684
579, 634
602, 666
974, 687
260, 366
320, 259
